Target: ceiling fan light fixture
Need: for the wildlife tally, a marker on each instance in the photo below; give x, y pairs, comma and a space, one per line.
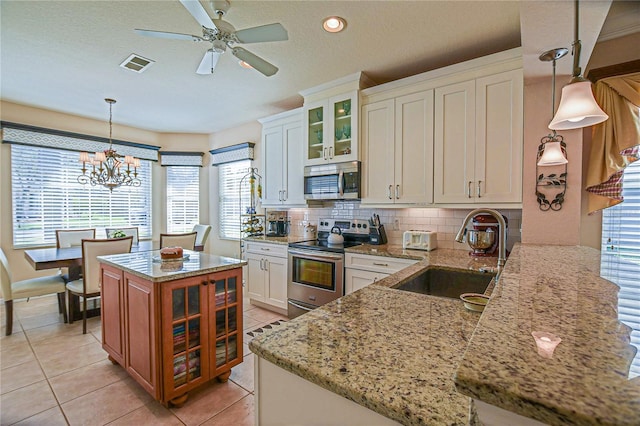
334, 24
243, 64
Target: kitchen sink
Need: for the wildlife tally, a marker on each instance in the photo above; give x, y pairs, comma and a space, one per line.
446, 282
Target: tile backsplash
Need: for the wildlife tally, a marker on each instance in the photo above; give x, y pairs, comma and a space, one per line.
445, 222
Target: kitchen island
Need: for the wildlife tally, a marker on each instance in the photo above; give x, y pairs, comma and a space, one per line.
401, 356
172, 325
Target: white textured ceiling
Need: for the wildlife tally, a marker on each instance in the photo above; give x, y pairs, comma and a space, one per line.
65, 55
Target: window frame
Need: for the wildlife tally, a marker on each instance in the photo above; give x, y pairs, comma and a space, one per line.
176, 176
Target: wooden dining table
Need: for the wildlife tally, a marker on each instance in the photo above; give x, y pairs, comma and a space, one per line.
70, 257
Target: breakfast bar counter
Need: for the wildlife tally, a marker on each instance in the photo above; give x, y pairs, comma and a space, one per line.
416, 359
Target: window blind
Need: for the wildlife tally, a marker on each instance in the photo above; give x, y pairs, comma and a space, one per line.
231, 197
183, 198
47, 196
620, 259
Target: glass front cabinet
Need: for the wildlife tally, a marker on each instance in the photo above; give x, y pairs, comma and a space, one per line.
202, 331
331, 129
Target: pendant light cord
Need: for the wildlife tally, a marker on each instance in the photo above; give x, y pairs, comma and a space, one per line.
577, 47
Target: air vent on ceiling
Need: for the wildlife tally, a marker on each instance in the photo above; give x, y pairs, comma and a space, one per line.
136, 63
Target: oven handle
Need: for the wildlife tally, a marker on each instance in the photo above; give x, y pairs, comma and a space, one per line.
313, 255
304, 308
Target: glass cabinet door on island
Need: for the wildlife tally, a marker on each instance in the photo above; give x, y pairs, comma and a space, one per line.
187, 322
226, 347
331, 129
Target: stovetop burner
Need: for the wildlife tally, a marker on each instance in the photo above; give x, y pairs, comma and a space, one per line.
322, 245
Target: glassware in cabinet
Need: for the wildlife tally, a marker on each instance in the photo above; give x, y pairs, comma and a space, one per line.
342, 124
315, 133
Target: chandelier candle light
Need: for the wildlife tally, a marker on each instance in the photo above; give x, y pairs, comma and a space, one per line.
106, 165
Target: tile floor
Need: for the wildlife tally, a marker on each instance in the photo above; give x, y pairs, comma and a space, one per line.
51, 374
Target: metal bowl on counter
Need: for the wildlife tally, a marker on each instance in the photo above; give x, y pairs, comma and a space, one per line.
480, 240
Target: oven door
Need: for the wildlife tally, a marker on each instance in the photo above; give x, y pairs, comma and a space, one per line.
315, 277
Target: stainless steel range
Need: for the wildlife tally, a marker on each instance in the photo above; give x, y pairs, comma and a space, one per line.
316, 268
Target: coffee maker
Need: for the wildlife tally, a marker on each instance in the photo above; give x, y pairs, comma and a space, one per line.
277, 224
485, 235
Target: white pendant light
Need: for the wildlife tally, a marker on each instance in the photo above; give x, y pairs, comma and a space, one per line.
552, 155
578, 108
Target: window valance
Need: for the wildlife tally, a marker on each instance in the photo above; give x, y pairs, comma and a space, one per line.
181, 158
229, 154
22, 134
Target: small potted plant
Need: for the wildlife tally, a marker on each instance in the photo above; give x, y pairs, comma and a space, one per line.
118, 234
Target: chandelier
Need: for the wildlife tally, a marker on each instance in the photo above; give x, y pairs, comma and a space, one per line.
107, 166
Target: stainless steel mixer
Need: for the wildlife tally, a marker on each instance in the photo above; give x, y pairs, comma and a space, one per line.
483, 238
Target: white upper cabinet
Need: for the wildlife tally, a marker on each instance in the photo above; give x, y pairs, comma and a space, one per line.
478, 140
331, 121
331, 129
282, 152
448, 137
397, 150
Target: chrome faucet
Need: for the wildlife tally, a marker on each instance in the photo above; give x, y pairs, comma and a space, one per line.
502, 229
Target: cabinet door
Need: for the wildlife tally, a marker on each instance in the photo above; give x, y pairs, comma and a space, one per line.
293, 179
315, 129
272, 154
378, 152
185, 330
143, 351
454, 144
498, 163
112, 307
356, 279
256, 277
342, 139
414, 148
225, 320
276, 269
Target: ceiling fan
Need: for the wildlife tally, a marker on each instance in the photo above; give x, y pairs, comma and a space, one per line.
222, 34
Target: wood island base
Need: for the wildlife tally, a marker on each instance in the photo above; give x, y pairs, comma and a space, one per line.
176, 335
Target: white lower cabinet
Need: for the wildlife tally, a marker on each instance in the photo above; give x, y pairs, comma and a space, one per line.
266, 279
362, 270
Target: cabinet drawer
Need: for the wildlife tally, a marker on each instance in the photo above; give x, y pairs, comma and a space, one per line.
385, 264
266, 249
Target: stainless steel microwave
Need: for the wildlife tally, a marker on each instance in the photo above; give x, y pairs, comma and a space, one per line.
338, 181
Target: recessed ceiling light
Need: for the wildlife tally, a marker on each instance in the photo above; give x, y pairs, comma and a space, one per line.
334, 24
243, 64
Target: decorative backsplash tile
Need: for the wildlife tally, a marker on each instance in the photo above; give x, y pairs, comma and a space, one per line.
445, 222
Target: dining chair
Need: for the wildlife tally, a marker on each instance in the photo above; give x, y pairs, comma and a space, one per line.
73, 237
89, 286
128, 232
186, 241
202, 232
41, 286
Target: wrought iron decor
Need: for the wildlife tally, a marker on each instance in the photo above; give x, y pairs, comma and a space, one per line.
552, 182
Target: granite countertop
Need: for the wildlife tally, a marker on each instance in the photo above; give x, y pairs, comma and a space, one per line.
416, 358
147, 265
392, 351
554, 289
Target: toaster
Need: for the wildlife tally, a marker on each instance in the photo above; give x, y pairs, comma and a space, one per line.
420, 240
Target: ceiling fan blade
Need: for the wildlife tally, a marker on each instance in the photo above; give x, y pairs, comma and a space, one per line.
255, 61
208, 63
197, 11
165, 34
270, 32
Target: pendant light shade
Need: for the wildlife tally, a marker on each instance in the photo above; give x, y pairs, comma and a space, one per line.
578, 108
552, 155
